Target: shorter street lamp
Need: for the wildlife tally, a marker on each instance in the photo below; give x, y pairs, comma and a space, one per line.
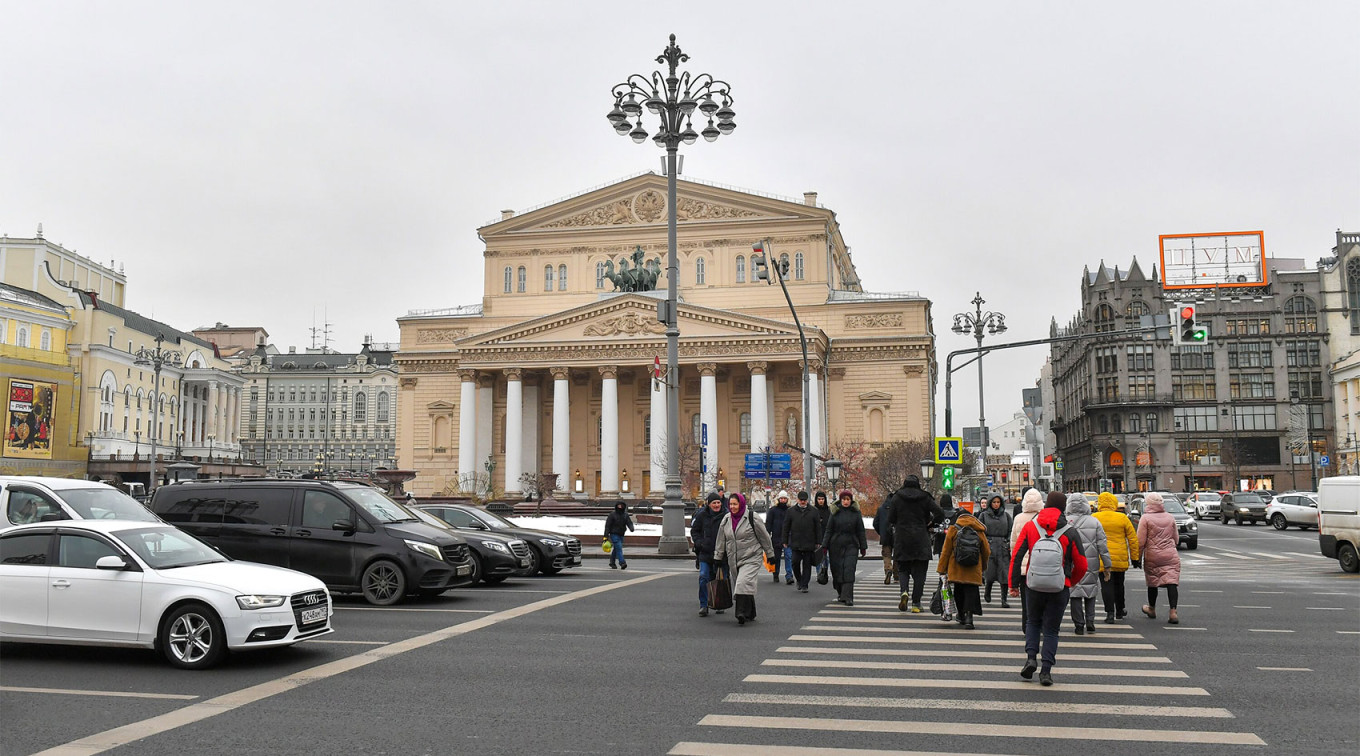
833, 470
927, 470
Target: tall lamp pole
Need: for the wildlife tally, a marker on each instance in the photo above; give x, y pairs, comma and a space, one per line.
156, 359
673, 98
975, 323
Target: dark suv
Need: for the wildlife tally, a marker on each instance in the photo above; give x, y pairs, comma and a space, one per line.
1187, 532
350, 536
1242, 505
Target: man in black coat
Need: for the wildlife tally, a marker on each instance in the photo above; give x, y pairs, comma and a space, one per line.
774, 523
883, 527
913, 514
703, 532
802, 531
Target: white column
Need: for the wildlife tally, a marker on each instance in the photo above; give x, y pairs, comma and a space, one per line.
514, 429
561, 434
656, 441
485, 383
214, 397
609, 431
529, 445
814, 410
708, 415
467, 430
760, 422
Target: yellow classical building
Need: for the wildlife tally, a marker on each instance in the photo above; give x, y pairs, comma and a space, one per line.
41, 389
552, 371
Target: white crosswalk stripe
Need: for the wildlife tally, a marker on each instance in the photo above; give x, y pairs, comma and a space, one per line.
856, 681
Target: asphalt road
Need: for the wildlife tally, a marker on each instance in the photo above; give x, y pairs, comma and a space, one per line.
1266, 659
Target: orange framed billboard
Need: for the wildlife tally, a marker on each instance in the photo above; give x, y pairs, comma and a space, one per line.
1211, 261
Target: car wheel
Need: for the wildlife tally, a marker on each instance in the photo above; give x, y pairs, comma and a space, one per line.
192, 637
476, 563
535, 561
383, 583
1237, 519
1192, 544
1349, 560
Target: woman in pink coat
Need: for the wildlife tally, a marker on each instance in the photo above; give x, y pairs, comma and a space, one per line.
1161, 561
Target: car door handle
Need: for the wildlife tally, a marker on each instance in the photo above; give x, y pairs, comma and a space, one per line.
303, 533
277, 531
61, 583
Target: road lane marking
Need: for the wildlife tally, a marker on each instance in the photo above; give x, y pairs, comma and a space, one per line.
1284, 669
1234, 555
982, 729
936, 621
1349, 632
1327, 608
751, 749
960, 641
902, 682
1265, 593
196, 712
1251, 607
409, 609
935, 629
1182, 627
935, 653
1007, 668
1270, 631
354, 643
107, 693
1332, 593
878, 702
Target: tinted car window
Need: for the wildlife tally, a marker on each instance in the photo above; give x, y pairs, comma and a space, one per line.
189, 505
81, 551
29, 548
459, 519
1246, 498
380, 507
27, 506
258, 506
321, 510
105, 504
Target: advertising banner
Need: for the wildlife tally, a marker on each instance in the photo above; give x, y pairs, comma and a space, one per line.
28, 419
1207, 261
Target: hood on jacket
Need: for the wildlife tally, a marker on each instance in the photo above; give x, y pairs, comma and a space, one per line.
820, 499
969, 521
1077, 504
946, 502
1107, 502
1048, 519
996, 500
620, 506
911, 482
741, 509
1032, 502
1072, 500
1152, 504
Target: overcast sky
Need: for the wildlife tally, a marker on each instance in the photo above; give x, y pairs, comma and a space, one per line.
274, 163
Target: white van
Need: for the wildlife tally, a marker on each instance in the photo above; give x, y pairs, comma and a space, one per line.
1339, 520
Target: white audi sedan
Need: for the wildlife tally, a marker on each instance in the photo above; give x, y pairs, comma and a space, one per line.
149, 585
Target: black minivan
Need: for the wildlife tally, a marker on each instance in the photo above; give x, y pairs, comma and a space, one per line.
350, 536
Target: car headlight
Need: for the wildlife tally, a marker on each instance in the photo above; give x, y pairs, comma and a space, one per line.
553, 542
1243, 509
496, 546
1191, 526
256, 601
428, 549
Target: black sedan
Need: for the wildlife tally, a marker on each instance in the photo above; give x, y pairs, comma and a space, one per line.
495, 556
549, 552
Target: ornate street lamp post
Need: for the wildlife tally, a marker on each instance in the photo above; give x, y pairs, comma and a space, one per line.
156, 359
673, 98
975, 323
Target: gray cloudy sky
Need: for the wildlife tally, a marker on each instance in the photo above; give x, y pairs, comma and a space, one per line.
258, 162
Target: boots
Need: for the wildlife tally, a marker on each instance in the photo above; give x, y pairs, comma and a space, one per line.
887, 578
988, 595
1005, 591
847, 594
741, 606
1173, 618
1109, 617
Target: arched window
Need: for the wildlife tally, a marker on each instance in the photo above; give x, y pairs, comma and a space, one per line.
1300, 315
521, 279
1136, 308
741, 269
744, 424
875, 425
46, 343
547, 278
382, 407
599, 275
1135, 423
1104, 318
508, 279
798, 266
1152, 422
21, 338
360, 408
1353, 293
562, 277
700, 273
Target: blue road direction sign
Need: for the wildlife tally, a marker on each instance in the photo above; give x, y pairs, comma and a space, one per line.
949, 451
777, 466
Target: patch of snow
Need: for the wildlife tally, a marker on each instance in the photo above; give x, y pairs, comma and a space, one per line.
578, 525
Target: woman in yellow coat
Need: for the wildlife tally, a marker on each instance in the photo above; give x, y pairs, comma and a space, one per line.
1122, 539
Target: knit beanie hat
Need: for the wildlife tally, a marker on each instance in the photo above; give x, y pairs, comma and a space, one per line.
1056, 500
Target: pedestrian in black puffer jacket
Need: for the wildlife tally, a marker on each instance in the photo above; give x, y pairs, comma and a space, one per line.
824, 513
703, 531
913, 514
615, 525
998, 521
774, 523
844, 542
802, 532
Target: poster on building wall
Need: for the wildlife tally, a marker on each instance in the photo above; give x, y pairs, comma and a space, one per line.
28, 419
1208, 261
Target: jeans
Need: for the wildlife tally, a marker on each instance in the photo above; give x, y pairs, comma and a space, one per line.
1044, 619
788, 562
1112, 593
802, 566
617, 552
913, 571
705, 574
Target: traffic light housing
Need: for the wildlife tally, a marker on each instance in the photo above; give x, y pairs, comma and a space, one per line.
760, 270
947, 478
1185, 329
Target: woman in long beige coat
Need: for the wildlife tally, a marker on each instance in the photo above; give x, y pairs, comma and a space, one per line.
742, 541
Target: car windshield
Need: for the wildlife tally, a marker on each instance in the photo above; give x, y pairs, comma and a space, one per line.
1247, 498
1172, 505
106, 503
491, 518
165, 547
378, 505
1207, 497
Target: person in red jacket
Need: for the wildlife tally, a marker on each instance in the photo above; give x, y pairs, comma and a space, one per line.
1046, 607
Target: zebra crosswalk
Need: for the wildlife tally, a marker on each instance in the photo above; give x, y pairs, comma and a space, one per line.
869, 680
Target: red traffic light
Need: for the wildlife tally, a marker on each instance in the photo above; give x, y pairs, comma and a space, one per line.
1187, 312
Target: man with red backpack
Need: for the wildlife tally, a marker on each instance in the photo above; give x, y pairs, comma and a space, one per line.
1057, 561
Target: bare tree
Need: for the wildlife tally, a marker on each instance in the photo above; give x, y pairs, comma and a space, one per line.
690, 481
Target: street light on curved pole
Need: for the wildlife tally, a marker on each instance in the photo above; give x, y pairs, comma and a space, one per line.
673, 97
156, 359
975, 323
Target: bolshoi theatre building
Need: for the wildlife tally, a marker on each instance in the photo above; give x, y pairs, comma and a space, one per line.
552, 371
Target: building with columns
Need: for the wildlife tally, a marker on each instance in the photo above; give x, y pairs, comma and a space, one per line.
551, 371
1341, 309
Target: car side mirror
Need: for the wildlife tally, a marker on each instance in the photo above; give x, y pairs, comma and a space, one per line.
342, 525
111, 562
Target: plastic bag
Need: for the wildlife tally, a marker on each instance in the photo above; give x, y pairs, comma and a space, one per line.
607, 545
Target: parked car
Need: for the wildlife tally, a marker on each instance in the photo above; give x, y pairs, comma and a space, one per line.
549, 552
1242, 506
494, 557
350, 536
27, 500
1187, 532
1298, 508
1202, 504
149, 585
1339, 520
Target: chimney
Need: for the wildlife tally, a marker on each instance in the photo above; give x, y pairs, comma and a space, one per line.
810, 199
292, 350
507, 214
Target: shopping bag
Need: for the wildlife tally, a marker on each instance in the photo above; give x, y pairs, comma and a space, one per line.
719, 590
937, 602
769, 566
607, 545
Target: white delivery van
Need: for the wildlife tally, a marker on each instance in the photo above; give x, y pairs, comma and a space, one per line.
1339, 520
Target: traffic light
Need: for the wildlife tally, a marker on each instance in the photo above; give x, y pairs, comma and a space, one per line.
947, 479
1185, 331
1005, 476
760, 271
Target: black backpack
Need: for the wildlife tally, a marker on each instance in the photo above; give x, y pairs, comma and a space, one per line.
967, 547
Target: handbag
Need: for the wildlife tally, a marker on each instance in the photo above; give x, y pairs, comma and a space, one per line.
719, 590
937, 602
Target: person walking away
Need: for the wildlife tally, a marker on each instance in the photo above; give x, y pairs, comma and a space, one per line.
615, 525
774, 524
823, 515
845, 543
1161, 560
913, 514
1030, 506
997, 521
883, 527
965, 551
1121, 540
741, 543
703, 532
1055, 563
802, 533
1097, 553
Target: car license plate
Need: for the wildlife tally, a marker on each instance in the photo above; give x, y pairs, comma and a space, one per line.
313, 615
576, 560
465, 570
524, 562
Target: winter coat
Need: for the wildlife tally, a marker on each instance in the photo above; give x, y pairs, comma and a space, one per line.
618, 522
956, 572
844, 540
774, 524
802, 528
883, 523
745, 545
1029, 509
1074, 561
1120, 537
823, 514
703, 531
1094, 546
1157, 533
913, 512
997, 523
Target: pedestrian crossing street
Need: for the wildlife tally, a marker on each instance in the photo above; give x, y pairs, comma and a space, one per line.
869, 680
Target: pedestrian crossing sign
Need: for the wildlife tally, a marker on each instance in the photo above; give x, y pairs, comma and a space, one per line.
948, 451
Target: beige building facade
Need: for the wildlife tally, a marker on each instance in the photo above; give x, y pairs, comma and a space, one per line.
551, 372
1341, 308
